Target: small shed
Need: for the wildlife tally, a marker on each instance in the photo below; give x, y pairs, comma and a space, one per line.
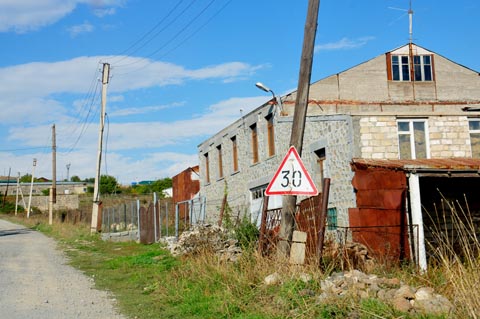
402, 203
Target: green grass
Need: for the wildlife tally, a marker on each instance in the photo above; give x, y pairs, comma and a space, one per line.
150, 283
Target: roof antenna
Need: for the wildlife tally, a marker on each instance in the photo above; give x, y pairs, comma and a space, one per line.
410, 18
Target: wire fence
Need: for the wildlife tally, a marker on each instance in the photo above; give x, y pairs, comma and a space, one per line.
149, 221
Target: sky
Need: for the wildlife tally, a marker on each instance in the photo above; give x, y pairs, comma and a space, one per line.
180, 71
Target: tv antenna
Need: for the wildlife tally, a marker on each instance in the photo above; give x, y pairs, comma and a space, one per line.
410, 19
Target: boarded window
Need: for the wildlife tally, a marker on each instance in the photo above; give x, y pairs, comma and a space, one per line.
270, 135
234, 154
253, 129
220, 161
207, 169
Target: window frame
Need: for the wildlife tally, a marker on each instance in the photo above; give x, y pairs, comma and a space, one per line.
472, 132
410, 68
412, 141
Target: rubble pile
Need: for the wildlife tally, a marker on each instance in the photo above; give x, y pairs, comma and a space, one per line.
205, 237
392, 291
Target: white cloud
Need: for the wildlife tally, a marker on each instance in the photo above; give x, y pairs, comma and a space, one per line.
344, 44
104, 12
37, 95
28, 15
85, 27
142, 110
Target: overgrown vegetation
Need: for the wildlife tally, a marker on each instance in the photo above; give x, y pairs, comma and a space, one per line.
149, 283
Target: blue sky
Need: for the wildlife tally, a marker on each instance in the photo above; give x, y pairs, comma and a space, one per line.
181, 70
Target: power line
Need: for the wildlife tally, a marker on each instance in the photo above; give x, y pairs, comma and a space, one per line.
124, 52
174, 37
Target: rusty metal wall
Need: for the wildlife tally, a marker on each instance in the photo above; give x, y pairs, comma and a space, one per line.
184, 186
380, 220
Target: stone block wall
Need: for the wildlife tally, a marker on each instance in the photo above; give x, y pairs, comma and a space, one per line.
63, 202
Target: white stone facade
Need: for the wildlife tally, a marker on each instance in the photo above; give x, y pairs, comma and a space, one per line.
353, 114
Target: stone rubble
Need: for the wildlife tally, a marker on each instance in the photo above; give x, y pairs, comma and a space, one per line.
392, 291
205, 237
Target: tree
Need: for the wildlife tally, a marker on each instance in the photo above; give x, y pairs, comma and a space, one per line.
27, 178
108, 185
75, 179
157, 186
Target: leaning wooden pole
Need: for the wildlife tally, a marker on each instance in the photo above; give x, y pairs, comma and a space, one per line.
287, 223
323, 217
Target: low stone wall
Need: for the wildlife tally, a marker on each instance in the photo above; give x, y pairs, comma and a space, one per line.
131, 235
63, 202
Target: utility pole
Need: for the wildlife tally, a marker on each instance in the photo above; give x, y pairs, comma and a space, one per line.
53, 190
31, 188
68, 171
287, 223
8, 182
96, 194
16, 193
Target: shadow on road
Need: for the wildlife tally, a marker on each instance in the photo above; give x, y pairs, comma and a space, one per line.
9, 232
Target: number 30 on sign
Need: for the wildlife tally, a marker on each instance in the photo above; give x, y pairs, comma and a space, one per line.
291, 177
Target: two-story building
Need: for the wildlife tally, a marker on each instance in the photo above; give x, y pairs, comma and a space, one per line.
388, 133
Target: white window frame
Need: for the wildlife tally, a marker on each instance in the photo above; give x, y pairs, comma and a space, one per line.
400, 67
472, 131
412, 136
410, 64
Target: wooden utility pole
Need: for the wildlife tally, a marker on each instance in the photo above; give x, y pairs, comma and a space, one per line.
96, 191
287, 223
53, 189
8, 182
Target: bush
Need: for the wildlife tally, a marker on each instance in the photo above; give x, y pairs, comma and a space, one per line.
246, 233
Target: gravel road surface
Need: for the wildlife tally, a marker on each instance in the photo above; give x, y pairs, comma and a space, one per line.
37, 283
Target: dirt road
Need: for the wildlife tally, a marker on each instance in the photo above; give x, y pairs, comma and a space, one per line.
36, 283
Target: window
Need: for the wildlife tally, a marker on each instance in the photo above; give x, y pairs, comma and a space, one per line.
220, 161
474, 128
234, 153
253, 129
332, 218
270, 135
320, 154
401, 68
207, 169
422, 67
412, 139
258, 192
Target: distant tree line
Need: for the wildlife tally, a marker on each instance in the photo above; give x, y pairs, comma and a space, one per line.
109, 185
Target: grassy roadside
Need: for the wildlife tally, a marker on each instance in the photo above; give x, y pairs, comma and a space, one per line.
149, 283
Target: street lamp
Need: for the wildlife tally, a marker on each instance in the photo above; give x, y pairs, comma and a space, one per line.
262, 87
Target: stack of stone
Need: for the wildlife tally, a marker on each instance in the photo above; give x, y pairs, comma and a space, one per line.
205, 238
356, 284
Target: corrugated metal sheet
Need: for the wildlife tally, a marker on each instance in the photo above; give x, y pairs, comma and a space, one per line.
460, 164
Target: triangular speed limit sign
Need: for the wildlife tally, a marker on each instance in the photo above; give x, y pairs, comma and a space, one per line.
291, 177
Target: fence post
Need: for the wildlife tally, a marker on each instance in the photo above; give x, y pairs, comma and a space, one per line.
177, 217
160, 220
166, 217
155, 215
125, 215
138, 219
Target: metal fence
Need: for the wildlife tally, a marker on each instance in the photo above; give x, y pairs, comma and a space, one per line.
150, 221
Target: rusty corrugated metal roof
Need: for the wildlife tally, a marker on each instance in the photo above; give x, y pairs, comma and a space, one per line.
457, 163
